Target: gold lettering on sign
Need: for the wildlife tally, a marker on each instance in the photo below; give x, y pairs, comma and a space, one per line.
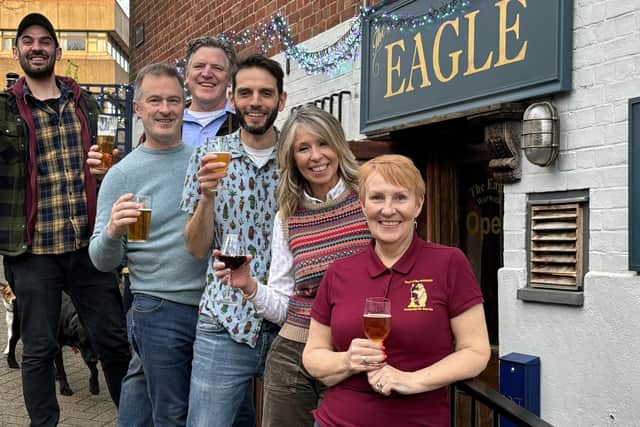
453, 55
471, 47
391, 68
502, 34
400, 75
418, 51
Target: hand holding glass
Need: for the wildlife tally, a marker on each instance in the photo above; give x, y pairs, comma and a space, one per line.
107, 128
233, 253
377, 318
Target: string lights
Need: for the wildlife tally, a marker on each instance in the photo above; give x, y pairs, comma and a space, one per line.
330, 58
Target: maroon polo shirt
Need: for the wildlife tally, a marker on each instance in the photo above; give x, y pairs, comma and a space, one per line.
428, 286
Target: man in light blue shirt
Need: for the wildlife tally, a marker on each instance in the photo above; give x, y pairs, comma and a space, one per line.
209, 65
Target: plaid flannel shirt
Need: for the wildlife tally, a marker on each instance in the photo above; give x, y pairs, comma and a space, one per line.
62, 218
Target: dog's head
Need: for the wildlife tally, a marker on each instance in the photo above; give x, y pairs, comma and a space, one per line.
7, 294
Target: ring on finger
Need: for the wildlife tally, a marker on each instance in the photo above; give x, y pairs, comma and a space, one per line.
379, 386
364, 360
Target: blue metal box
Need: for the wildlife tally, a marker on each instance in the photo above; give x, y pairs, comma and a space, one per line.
520, 382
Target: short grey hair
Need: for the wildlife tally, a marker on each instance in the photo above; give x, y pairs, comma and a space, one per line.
159, 70
209, 41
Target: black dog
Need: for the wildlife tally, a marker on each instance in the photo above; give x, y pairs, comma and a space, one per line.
71, 333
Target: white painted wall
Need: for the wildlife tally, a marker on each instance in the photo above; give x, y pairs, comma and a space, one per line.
589, 354
302, 88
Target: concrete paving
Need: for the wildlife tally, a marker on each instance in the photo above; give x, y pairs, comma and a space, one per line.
80, 410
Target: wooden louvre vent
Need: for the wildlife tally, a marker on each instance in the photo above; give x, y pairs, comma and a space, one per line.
556, 246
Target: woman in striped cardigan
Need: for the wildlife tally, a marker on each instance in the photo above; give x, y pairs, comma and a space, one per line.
319, 220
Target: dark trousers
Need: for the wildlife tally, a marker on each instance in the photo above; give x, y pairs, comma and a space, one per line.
39, 281
290, 392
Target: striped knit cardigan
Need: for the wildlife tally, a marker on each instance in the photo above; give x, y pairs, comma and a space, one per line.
319, 234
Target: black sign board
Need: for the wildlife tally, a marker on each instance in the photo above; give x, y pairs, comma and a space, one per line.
492, 51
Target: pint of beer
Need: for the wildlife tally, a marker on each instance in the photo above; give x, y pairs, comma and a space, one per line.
222, 157
377, 318
107, 128
139, 230
106, 143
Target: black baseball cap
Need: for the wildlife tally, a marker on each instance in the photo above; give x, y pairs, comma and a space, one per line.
36, 19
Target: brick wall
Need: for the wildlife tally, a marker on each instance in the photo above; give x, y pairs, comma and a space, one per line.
169, 24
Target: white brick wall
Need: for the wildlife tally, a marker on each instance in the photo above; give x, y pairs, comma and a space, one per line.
583, 349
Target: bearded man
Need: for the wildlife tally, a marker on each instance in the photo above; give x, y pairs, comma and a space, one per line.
47, 213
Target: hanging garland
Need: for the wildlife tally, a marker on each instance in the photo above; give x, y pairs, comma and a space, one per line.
331, 58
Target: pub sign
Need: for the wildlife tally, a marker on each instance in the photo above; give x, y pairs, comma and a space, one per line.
492, 51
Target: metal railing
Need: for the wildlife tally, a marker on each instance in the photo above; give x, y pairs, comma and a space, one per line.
498, 404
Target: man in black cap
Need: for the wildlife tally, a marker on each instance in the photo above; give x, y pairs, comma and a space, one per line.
47, 212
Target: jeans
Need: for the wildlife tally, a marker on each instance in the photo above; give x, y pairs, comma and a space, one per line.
290, 392
222, 373
134, 397
39, 281
162, 335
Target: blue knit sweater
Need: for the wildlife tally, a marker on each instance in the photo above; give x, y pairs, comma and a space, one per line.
161, 267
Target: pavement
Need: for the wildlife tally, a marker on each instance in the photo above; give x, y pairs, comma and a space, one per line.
80, 410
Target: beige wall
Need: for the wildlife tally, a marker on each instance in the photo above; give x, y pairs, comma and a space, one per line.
72, 15
85, 15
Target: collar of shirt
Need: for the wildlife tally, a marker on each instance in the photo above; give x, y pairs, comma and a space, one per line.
402, 266
333, 194
189, 116
65, 93
237, 148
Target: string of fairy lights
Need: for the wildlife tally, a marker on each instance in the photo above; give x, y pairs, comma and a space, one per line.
332, 57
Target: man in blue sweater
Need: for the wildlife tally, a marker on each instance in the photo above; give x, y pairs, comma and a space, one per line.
166, 280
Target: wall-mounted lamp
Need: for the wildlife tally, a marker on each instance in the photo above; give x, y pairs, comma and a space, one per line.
540, 133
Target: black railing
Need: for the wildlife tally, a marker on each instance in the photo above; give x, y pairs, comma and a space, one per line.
499, 405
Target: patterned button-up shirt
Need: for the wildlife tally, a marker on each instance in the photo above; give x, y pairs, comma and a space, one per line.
62, 218
246, 204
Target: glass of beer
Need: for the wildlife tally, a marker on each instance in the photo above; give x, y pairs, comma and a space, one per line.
377, 318
219, 147
233, 253
139, 230
107, 128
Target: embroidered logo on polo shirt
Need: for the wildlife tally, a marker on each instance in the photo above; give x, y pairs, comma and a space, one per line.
418, 295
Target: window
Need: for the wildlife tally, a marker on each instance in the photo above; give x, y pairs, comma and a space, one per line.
73, 41
556, 247
8, 39
97, 42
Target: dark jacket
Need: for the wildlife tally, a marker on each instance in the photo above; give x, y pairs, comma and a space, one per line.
18, 166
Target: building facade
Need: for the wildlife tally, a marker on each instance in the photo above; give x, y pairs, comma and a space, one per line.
552, 244
93, 34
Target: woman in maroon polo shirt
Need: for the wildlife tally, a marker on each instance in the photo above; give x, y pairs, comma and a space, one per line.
438, 334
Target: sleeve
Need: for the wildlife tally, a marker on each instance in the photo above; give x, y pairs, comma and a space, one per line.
464, 291
191, 190
106, 254
271, 301
321, 309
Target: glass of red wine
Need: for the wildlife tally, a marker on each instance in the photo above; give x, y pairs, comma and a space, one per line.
233, 254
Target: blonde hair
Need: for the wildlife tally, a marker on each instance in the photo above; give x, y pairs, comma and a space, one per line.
328, 129
395, 169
